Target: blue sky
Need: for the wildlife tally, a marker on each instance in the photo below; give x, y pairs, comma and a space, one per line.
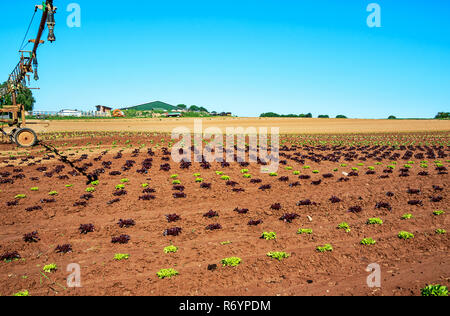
244, 56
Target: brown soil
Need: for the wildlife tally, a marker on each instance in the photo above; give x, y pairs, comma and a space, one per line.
407, 265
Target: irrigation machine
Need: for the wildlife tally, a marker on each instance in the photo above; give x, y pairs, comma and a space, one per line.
14, 116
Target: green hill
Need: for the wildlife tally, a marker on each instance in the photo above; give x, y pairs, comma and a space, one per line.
157, 105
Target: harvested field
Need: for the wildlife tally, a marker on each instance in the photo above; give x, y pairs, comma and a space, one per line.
323, 181
286, 125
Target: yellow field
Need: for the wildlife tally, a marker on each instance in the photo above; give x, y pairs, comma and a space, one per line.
286, 125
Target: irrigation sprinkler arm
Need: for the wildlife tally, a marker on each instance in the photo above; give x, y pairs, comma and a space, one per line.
17, 77
90, 177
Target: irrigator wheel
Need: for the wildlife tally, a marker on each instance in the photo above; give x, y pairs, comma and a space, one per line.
25, 137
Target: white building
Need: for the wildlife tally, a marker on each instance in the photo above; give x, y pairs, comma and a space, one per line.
74, 113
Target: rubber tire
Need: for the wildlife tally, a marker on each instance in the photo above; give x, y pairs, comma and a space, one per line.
30, 142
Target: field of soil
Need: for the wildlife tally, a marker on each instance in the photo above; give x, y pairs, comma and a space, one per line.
286, 125
340, 179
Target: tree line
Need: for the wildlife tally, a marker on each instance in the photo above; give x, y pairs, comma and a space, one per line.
309, 115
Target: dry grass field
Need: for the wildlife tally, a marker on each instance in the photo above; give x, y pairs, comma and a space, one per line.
286, 125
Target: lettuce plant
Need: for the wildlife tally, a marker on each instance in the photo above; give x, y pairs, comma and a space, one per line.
344, 226
305, 231
231, 262
166, 273
325, 248
407, 216
434, 290
50, 268
121, 256
368, 241
170, 249
405, 235
278, 255
269, 236
374, 221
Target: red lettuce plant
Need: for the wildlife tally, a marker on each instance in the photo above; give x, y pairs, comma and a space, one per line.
126, 223
213, 227
289, 217
66, 248
122, 239
173, 218
86, 228
31, 237
172, 231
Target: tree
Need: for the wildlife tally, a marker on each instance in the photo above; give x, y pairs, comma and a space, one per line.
194, 108
392, 117
182, 106
24, 96
270, 114
324, 116
202, 109
309, 115
442, 115
341, 117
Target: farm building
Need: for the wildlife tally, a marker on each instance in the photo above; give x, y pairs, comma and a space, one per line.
103, 109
